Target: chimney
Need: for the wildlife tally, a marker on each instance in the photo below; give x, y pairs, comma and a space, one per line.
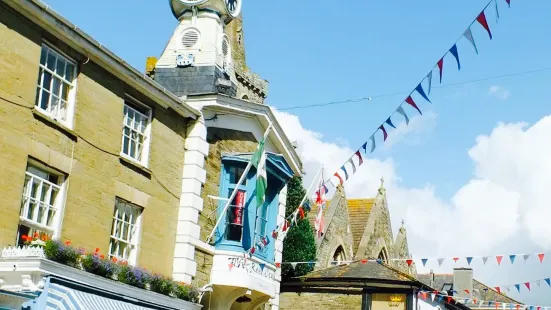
462, 280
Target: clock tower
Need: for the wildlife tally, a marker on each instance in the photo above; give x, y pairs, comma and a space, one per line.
206, 52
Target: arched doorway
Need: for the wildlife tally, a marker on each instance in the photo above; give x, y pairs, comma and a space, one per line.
383, 255
338, 257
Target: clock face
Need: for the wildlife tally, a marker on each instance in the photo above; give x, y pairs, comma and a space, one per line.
233, 7
192, 2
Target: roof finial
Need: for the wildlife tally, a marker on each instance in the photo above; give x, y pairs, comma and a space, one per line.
382, 181
382, 190
403, 222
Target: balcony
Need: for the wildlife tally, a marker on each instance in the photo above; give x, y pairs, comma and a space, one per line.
27, 271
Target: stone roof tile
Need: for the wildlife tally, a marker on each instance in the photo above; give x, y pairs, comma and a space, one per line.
358, 212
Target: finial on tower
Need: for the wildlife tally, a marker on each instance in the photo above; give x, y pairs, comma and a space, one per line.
403, 222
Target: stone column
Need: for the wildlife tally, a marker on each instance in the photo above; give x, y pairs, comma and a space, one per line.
366, 300
191, 203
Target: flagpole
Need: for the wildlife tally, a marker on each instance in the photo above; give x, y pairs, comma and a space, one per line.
234, 192
311, 185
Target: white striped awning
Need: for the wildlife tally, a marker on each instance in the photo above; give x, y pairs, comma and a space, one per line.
63, 298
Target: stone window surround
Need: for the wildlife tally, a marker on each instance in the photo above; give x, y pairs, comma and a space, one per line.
134, 104
54, 230
68, 119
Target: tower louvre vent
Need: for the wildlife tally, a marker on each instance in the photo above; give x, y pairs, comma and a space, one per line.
225, 46
190, 38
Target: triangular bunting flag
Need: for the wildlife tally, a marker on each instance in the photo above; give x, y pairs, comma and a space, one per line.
440, 65
440, 261
429, 79
527, 285
360, 159
365, 147
482, 20
499, 258
518, 287
541, 256
455, 54
424, 261
432, 296
343, 168
497, 11
467, 291
410, 101
469, 35
518, 307
421, 92
409, 262
372, 144
230, 266
294, 265
262, 266
351, 161
364, 261
489, 303
455, 259
440, 298
526, 257
498, 289
508, 2
508, 288
497, 304
401, 111
341, 181
389, 122
538, 283
278, 265
448, 299
484, 259
512, 258
385, 135
469, 260
548, 281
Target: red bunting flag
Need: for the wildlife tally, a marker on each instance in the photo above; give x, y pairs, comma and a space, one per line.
518, 306
230, 266
424, 295
252, 250
364, 261
498, 289
468, 292
449, 299
541, 256
482, 20
410, 101
497, 304
527, 285
409, 262
455, 259
301, 212
278, 265
360, 160
385, 135
440, 67
339, 177
499, 258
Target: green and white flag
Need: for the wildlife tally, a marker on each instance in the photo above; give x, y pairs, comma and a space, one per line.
259, 162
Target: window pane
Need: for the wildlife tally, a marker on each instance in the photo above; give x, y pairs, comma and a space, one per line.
60, 67
50, 64
235, 174
47, 80
69, 72
43, 54
56, 87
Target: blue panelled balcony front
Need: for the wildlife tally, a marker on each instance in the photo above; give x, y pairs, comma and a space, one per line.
246, 225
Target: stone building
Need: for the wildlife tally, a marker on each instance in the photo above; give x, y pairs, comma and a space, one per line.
170, 147
91, 151
354, 229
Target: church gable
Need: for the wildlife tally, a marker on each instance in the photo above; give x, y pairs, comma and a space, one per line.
358, 211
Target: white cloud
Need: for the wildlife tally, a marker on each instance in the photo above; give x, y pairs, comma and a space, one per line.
499, 92
414, 133
507, 197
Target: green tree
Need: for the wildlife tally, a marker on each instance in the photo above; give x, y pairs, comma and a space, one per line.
299, 244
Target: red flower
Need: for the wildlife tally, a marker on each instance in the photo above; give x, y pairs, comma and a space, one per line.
36, 235
97, 250
68, 242
24, 237
114, 259
102, 256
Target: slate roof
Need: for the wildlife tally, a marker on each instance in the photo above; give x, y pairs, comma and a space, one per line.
358, 211
484, 292
377, 272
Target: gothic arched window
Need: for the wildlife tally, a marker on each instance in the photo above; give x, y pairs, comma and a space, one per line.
383, 255
338, 256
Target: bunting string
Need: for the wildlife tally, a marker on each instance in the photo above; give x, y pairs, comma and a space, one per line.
437, 296
350, 166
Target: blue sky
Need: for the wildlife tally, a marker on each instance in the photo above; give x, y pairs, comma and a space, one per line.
315, 52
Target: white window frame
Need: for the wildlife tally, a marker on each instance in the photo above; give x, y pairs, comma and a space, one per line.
71, 97
59, 204
135, 239
132, 103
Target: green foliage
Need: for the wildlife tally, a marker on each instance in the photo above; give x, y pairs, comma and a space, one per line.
161, 284
63, 253
300, 243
